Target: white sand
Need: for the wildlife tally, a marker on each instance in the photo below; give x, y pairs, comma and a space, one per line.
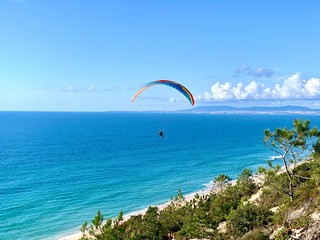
75, 236
258, 179
188, 197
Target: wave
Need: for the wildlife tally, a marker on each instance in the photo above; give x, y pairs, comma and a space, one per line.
272, 158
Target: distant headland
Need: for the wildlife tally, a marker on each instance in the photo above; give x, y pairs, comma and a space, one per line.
253, 110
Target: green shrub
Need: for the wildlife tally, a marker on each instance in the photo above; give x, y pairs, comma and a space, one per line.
256, 235
300, 222
283, 234
246, 217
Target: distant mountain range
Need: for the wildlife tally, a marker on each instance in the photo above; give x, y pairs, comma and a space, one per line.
253, 110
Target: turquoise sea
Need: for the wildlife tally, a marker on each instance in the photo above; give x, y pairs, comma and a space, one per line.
58, 169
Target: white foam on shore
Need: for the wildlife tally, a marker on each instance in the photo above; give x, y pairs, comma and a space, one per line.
208, 189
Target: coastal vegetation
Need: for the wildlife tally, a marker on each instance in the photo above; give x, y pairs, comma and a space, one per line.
291, 145
276, 203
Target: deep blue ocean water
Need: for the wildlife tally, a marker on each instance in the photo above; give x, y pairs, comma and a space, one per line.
58, 169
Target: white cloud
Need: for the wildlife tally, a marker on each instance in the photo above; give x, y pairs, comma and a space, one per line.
313, 86
92, 88
173, 100
291, 88
259, 72
263, 72
70, 88
243, 69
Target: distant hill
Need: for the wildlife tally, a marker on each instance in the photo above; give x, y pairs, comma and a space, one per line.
253, 110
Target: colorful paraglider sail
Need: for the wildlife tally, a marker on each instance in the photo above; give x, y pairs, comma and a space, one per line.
169, 83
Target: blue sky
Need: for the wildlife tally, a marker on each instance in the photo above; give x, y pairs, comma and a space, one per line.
94, 55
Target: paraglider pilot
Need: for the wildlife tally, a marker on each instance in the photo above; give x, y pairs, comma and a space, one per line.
161, 133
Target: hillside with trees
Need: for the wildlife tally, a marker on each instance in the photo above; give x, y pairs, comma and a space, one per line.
278, 202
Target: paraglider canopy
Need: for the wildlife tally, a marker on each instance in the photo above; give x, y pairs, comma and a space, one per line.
182, 89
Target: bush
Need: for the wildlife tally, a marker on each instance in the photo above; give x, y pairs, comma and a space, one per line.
256, 235
300, 222
246, 217
283, 234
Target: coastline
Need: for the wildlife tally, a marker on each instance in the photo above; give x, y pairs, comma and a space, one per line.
257, 178
205, 191
188, 197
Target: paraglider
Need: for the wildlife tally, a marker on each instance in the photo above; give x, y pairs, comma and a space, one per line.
161, 133
182, 89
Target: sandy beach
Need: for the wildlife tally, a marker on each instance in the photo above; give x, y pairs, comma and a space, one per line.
257, 178
188, 197
75, 236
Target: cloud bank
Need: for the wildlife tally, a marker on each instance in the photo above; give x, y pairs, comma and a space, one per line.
292, 88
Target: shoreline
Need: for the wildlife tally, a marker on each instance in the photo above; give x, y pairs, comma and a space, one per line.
211, 188
205, 191
257, 178
188, 197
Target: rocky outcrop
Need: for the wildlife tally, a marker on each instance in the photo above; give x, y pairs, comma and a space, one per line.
309, 232
312, 232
